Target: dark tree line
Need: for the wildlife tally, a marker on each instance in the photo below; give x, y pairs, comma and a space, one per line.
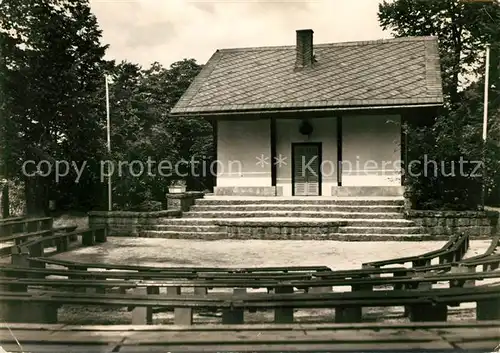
52, 108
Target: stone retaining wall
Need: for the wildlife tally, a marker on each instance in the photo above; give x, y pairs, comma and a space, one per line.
269, 230
128, 223
474, 223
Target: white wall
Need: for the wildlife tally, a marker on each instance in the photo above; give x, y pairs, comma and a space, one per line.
239, 143
324, 131
371, 150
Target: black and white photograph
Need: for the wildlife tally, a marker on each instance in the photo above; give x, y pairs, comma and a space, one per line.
249, 176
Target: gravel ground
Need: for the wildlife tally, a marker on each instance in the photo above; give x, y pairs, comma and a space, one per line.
244, 253
249, 253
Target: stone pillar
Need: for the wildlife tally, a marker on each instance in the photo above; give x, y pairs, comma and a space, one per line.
182, 201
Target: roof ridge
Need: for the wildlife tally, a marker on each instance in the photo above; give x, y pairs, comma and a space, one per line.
335, 44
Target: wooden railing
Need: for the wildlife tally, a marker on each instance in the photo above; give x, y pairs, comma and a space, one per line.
29, 225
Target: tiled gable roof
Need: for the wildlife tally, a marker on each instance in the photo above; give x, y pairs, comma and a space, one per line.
392, 72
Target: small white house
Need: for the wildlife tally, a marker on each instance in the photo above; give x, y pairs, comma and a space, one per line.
315, 120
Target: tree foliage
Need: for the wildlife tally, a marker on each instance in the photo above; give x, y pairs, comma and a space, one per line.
52, 61
140, 101
52, 107
463, 29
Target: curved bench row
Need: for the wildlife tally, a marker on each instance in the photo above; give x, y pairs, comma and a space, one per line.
150, 281
32, 245
428, 305
453, 250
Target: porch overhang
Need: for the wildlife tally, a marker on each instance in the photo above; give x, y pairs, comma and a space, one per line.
301, 112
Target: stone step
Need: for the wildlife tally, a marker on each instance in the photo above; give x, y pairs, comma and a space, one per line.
298, 201
171, 234
275, 221
344, 230
332, 236
298, 207
185, 228
293, 214
381, 230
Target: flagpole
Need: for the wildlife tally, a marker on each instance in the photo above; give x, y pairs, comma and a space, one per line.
108, 131
485, 121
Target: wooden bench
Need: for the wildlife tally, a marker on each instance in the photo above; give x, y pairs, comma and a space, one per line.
452, 251
11, 219
428, 305
28, 225
21, 238
240, 282
24, 253
265, 269
449, 337
46, 235
365, 284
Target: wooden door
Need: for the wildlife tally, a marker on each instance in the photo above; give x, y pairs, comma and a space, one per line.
306, 176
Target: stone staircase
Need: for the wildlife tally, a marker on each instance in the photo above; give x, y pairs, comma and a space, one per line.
308, 218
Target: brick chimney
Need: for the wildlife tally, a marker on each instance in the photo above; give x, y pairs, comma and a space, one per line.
304, 49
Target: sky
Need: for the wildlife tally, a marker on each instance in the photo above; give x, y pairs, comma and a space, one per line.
144, 31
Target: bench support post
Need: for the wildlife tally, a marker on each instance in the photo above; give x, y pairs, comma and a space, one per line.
20, 259
283, 315
428, 312
101, 235
88, 238
320, 289
142, 315
35, 313
348, 314
235, 316
488, 309
153, 290
183, 316
62, 244
200, 291
173, 290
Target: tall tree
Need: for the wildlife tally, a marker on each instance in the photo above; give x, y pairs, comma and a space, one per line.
463, 28
52, 67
